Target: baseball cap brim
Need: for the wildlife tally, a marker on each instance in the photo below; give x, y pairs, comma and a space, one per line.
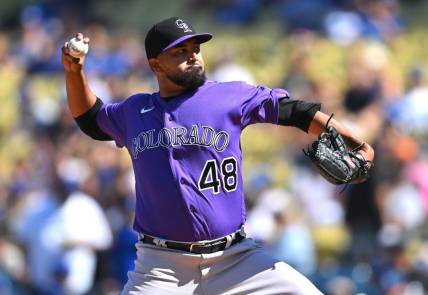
201, 38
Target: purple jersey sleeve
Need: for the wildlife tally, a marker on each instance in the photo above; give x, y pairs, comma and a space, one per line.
260, 104
110, 119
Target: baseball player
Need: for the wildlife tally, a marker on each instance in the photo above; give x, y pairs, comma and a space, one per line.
184, 143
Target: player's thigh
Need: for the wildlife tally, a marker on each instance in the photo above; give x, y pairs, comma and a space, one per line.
156, 283
258, 272
281, 278
162, 271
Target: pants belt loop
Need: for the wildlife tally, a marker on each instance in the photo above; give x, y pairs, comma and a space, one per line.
229, 240
242, 232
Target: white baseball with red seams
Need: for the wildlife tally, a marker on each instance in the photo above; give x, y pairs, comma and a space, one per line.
77, 48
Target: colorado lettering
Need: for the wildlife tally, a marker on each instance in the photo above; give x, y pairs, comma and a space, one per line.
206, 137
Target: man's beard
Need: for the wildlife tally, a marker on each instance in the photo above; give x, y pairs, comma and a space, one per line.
189, 80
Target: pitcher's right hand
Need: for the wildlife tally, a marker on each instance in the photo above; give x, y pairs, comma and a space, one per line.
73, 64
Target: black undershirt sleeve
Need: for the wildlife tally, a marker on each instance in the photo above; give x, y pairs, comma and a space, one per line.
297, 113
88, 123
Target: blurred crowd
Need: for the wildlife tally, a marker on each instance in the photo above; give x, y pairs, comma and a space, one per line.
67, 201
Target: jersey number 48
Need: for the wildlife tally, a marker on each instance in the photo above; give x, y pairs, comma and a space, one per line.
210, 178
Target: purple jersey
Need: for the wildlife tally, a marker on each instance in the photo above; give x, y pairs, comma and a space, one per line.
186, 155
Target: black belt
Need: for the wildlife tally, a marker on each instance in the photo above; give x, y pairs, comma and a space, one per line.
197, 247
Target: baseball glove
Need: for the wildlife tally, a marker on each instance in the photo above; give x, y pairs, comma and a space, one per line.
335, 162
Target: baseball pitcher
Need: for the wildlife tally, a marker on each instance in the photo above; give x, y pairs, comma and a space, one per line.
184, 143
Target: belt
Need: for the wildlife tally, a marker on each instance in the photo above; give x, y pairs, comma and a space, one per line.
197, 247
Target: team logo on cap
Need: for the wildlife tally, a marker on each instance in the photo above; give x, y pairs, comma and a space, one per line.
182, 25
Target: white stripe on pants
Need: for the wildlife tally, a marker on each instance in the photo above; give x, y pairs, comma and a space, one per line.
244, 268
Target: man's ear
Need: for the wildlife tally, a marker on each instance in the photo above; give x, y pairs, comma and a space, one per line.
154, 65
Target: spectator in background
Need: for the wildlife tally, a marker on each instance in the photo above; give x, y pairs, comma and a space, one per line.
294, 242
364, 88
410, 113
261, 220
33, 214
303, 14
237, 12
297, 79
40, 31
123, 250
371, 19
78, 229
226, 69
343, 27
380, 19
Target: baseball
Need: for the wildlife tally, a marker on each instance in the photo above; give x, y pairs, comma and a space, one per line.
77, 48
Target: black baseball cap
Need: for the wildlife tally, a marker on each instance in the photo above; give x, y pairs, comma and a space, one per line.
170, 32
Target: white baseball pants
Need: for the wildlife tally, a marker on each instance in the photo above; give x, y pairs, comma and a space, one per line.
244, 268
